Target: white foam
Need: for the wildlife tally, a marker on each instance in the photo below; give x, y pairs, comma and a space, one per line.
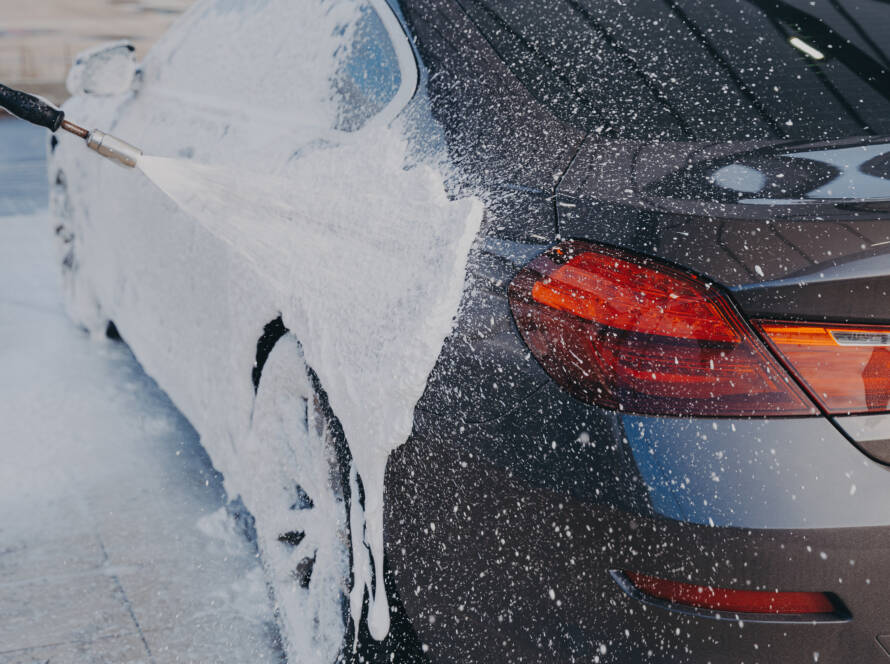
364, 259
371, 278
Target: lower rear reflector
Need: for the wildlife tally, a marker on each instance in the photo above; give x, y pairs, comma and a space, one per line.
727, 599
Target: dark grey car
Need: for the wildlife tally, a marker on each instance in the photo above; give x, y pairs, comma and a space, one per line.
661, 429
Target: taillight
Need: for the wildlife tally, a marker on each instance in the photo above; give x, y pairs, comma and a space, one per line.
630, 333
729, 599
846, 368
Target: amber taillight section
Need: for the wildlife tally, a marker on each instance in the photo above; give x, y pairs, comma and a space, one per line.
631, 333
846, 368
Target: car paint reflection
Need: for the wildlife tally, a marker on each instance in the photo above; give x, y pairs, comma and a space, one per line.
851, 181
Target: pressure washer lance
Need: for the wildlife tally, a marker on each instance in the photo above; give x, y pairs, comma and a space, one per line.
40, 112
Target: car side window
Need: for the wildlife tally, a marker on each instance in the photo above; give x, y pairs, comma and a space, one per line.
333, 64
369, 76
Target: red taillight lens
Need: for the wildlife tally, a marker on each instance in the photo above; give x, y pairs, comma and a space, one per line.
726, 599
631, 333
845, 367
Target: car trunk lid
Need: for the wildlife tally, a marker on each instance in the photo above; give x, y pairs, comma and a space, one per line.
793, 230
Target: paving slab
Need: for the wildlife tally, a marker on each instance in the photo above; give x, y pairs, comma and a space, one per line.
128, 649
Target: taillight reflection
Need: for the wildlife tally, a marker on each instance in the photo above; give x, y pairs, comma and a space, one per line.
846, 368
634, 334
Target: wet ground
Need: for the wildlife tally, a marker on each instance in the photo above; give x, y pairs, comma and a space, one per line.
23, 184
114, 542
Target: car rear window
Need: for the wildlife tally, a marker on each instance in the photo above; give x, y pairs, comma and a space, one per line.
694, 69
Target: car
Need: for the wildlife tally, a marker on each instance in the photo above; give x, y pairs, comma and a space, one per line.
657, 427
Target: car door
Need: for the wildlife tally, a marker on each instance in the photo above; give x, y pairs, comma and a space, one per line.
253, 89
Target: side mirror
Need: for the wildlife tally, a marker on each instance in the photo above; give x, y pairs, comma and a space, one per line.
109, 69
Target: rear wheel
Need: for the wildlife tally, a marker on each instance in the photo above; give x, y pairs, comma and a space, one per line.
295, 486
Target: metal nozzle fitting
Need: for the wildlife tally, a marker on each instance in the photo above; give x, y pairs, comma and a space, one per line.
113, 148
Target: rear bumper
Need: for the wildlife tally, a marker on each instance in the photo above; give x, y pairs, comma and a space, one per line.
502, 551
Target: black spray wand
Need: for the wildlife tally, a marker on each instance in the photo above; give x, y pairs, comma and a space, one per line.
40, 112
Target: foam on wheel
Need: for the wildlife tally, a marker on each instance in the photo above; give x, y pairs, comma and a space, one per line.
294, 485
